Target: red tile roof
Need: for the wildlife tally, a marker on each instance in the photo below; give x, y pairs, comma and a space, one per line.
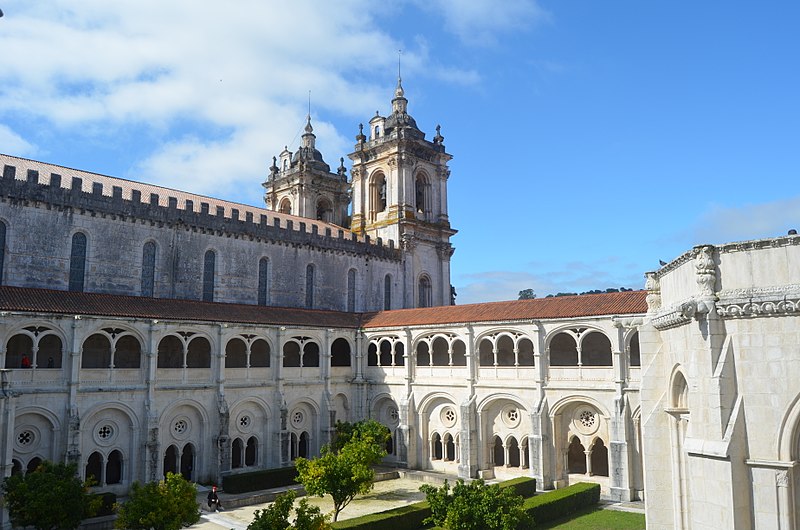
107, 305
31, 300
629, 302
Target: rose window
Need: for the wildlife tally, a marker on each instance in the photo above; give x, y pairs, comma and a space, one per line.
244, 421
393, 414
105, 432
298, 417
25, 438
180, 427
511, 417
587, 419
448, 417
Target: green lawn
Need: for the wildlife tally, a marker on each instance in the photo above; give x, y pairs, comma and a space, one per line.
597, 519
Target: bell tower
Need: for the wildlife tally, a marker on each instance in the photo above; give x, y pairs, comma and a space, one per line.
302, 184
399, 187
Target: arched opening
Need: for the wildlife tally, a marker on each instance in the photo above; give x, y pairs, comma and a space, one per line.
263, 281
96, 352
390, 445
209, 272
251, 451
576, 457
680, 392
441, 356
170, 460
236, 453
399, 354
634, 354
16, 467
505, 351
291, 355
436, 447
309, 286
486, 353
351, 290
599, 458
187, 462
293, 447
198, 353
33, 464
387, 292
259, 354
302, 445
49, 352
449, 448
340, 352
372, 355
563, 350
235, 354
525, 456
459, 353
311, 354
148, 269
127, 352
114, 468
425, 292
18, 347
513, 452
77, 262
423, 356
286, 206
595, 350
170, 352
94, 468
324, 210
498, 452
525, 352
378, 198
386, 353
421, 194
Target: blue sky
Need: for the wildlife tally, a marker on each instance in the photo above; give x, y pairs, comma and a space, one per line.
591, 139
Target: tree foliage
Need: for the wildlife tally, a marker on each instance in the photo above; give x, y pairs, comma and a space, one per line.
276, 517
526, 294
51, 497
344, 468
474, 506
169, 504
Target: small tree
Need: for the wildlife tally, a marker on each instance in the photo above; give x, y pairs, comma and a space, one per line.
474, 506
526, 294
276, 517
344, 469
169, 504
51, 497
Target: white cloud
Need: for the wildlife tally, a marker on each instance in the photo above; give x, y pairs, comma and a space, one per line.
750, 221
12, 143
480, 21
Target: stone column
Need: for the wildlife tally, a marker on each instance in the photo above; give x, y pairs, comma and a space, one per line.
468, 459
783, 480
7, 417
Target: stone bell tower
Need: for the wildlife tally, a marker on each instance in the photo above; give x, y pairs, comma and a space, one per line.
399, 187
302, 184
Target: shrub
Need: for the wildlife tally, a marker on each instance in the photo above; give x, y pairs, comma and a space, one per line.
169, 504
559, 503
474, 506
408, 517
259, 480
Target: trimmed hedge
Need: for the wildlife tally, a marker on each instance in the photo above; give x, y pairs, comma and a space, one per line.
408, 516
559, 503
412, 515
259, 480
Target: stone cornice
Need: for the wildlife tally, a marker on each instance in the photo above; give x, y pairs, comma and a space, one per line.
759, 301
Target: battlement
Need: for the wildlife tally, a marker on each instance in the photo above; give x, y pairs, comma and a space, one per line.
63, 187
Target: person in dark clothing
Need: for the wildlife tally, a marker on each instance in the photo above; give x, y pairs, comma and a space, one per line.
213, 500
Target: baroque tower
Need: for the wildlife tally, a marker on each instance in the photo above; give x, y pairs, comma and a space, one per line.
302, 184
399, 187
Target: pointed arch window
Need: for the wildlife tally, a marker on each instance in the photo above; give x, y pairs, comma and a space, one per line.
310, 286
378, 199
387, 292
77, 262
209, 266
148, 268
425, 292
263, 281
351, 290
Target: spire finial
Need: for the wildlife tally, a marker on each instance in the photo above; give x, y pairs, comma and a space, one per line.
399, 54
398, 92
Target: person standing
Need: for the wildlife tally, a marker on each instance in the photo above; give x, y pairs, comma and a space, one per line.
213, 500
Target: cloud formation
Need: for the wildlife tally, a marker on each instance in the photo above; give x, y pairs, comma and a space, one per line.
749, 221
12, 143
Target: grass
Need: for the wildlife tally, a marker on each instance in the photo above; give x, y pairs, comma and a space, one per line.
595, 518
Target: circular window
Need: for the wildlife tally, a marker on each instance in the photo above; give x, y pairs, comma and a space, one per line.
181, 428
448, 416
105, 433
25, 438
298, 418
586, 421
511, 416
244, 422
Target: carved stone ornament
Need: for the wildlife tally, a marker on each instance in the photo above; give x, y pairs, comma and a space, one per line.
653, 287
782, 479
392, 162
759, 302
408, 243
705, 270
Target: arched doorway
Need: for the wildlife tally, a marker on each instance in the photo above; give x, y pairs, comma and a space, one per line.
576, 457
599, 458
